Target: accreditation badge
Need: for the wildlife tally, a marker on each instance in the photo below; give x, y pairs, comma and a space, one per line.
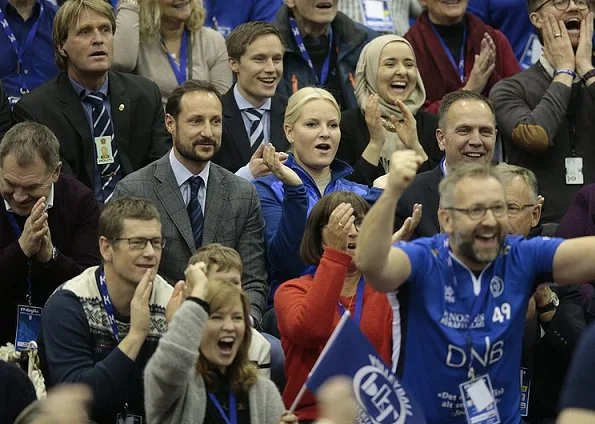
103, 147
479, 401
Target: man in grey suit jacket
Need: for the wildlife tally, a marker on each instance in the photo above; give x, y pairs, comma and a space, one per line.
222, 208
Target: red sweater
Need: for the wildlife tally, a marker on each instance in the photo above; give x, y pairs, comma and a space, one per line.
437, 72
307, 314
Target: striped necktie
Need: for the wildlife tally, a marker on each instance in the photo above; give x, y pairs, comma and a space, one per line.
195, 210
256, 128
102, 127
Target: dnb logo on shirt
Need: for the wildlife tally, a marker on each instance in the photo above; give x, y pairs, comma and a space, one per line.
380, 395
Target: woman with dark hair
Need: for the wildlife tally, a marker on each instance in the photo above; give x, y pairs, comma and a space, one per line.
308, 308
200, 372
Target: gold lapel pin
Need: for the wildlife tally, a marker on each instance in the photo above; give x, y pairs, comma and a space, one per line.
121, 108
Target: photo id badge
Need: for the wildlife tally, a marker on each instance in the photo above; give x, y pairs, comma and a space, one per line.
479, 401
129, 419
377, 15
103, 146
525, 391
28, 322
574, 170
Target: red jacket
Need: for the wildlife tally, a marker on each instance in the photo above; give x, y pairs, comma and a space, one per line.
437, 72
307, 314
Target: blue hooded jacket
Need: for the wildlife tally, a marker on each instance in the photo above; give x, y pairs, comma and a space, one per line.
285, 210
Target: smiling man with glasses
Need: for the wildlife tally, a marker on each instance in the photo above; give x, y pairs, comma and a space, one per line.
102, 326
469, 289
545, 113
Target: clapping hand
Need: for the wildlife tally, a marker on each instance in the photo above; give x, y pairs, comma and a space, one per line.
278, 168
374, 121
36, 227
257, 166
483, 66
406, 231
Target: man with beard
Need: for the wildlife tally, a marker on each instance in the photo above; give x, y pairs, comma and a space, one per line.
199, 201
469, 291
545, 113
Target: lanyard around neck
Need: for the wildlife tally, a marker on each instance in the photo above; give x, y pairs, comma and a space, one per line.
297, 36
107, 302
460, 67
17, 231
20, 50
359, 301
181, 71
232, 405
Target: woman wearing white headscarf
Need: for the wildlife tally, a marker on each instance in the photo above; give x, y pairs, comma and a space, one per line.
390, 94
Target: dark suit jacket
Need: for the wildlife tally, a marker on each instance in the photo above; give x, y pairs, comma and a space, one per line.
424, 190
73, 225
548, 357
355, 138
235, 142
232, 217
5, 114
137, 115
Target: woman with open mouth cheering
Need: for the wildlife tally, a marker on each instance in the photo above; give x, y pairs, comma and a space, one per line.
311, 126
390, 94
166, 42
200, 372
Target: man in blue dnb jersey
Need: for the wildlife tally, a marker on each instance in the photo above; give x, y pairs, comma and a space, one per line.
469, 291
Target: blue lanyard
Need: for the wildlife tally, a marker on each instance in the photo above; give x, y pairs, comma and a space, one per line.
20, 50
107, 302
180, 71
304, 52
478, 303
461, 66
359, 301
18, 232
233, 410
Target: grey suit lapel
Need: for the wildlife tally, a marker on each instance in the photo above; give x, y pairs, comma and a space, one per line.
215, 202
168, 193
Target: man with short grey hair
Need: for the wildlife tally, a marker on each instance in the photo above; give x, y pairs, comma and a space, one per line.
48, 227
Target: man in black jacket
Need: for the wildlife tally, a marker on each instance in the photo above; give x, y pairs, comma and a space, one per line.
109, 124
467, 134
555, 318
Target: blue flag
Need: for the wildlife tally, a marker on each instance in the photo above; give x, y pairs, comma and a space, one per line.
377, 390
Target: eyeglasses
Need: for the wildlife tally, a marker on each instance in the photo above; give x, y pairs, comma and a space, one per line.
515, 209
139, 243
478, 212
563, 5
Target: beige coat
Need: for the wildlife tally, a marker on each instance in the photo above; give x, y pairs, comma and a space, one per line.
149, 58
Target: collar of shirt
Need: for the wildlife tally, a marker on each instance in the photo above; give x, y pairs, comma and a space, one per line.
182, 174
83, 92
550, 69
245, 104
49, 202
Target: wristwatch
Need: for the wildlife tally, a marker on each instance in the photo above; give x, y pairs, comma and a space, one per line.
551, 305
54, 253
